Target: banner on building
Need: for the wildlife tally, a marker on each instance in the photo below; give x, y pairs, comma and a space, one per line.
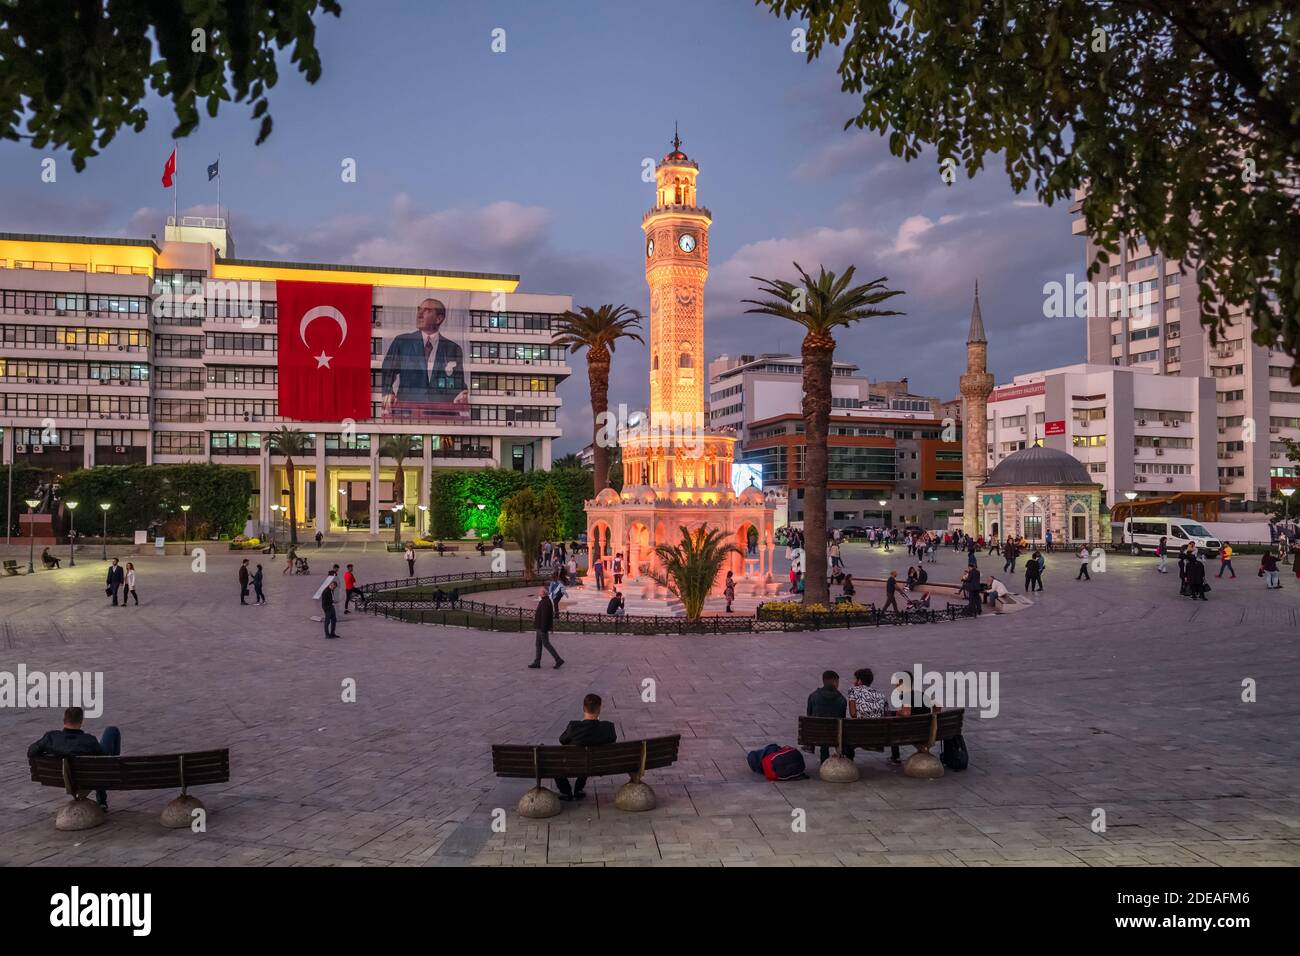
424, 377
324, 350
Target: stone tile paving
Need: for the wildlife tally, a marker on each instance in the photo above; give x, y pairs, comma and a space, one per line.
1114, 694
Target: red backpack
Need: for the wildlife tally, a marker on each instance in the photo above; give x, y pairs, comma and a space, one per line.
784, 764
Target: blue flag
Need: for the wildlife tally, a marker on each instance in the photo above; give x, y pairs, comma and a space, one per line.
213, 172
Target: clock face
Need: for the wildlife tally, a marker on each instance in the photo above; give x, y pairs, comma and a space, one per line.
687, 242
650, 249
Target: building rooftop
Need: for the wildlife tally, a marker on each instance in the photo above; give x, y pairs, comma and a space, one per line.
95, 240
390, 270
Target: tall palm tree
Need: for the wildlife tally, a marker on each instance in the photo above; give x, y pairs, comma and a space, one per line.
289, 442
820, 305
398, 448
597, 330
692, 566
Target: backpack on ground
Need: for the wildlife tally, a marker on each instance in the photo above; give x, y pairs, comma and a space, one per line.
954, 755
755, 757
784, 764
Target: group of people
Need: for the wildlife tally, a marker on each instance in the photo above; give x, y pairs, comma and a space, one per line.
121, 579
863, 701
602, 565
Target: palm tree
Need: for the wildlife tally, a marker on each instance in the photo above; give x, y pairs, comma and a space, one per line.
568, 461
820, 305
597, 330
692, 567
289, 442
398, 448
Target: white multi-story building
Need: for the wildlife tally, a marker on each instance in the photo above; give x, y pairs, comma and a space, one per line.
1150, 317
1135, 431
93, 371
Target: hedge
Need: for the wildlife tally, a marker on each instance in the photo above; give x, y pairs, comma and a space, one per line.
147, 496
455, 494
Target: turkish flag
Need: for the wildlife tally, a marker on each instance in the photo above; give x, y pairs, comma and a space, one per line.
169, 169
324, 350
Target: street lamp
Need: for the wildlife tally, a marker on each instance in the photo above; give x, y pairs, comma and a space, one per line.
1287, 493
72, 532
104, 537
275, 514
397, 523
31, 534
185, 536
424, 518
1132, 545
1033, 513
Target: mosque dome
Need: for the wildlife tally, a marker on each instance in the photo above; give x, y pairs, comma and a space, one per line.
1039, 466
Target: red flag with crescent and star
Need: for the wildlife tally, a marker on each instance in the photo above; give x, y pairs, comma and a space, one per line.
324, 350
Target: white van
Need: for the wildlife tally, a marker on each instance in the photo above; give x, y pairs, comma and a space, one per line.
1144, 534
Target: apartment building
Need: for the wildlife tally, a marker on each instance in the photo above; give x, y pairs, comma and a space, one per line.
1134, 430
1150, 317
118, 351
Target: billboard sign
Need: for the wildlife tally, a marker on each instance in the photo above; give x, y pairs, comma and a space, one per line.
1054, 428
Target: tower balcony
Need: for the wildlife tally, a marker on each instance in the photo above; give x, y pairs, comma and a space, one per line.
701, 212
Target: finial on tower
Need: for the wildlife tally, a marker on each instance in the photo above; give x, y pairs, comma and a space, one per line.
976, 319
677, 140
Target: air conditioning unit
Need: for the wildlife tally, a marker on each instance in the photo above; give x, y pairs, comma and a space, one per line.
32, 381
20, 449
121, 348
1172, 423
1275, 454
1223, 431
1273, 429
1169, 480
1142, 421
68, 348
59, 312
1140, 479
38, 449
65, 448
119, 449
1160, 451
27, 311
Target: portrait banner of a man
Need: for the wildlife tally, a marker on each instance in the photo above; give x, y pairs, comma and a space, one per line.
425, 340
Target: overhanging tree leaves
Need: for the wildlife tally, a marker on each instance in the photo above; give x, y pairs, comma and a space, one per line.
74, 72
1181, 118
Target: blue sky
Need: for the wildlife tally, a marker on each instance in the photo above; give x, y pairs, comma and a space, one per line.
529, 162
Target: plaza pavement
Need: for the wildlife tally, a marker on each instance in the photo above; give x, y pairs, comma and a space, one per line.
1114, 694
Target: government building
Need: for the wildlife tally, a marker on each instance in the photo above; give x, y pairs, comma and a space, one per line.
118, 351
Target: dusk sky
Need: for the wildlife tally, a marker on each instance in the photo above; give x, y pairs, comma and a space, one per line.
530, 162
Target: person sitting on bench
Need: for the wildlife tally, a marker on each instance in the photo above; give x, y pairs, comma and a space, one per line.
49, 560
72, 741
591, 731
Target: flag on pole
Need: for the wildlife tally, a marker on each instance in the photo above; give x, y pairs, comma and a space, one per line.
169, 169
213, 171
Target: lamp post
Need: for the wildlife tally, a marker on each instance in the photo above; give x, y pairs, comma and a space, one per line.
424, 519
397, 523
1033, 513
72, 532
1132, 546
104, 506
1286, 504
275, 514
185, 535
31, 534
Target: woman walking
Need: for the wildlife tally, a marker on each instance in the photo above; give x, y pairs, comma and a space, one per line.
729, 590
410, 560
290, 556
257, 586
130, 585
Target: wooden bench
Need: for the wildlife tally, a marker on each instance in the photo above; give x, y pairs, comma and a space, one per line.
11, 567
79, 775
877, 733
632, 757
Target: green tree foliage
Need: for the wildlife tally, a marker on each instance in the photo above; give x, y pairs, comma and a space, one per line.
691, 567
528, 518
146, 496
76, 72
454, 497
1179, 116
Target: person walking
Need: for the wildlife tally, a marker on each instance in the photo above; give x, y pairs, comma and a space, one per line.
1196, 585
319, 538
289, 558
349, 589
1268, 571
243, 582
1010, 552
618, 569
1034, 572
1048, 538
1225, 560
598, 569
1162, 550
129, 589
329, 615
836, 563
543, 621
410, 560
729, 590
115, 579
891, 592
1295, 562
259, 597
1084, 561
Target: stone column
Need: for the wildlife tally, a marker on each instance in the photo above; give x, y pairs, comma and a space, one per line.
374, 485
322, 487
264, 488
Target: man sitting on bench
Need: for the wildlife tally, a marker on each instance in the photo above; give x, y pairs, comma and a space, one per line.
72, 741
49, 560
591, 731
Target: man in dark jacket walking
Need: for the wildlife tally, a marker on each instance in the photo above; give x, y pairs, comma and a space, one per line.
827, 701
543, 621
1195, 577
330, 616
72, 741
891, 592
243, 582
115, 578
591, 731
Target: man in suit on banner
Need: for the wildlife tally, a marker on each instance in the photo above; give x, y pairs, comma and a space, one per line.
424, 371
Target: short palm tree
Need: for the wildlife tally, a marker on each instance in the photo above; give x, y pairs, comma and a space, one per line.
289, 442
398, 448
568, 461
692, 567
820, 305
598, 330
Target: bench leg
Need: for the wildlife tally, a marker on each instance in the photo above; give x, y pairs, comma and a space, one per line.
923, 765
179, 813
635, 796
539, 803
79, 814
839, 769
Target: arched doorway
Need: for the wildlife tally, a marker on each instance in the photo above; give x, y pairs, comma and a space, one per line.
1079, 522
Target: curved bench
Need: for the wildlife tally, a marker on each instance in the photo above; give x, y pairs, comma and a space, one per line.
877, 733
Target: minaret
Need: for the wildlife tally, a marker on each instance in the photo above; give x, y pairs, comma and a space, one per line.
976, 386
676, 265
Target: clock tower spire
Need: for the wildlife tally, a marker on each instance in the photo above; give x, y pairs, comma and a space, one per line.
676, 267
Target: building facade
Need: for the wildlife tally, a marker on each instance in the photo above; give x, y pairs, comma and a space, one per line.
1145, 312
1133, 430
117, 351
1037, 490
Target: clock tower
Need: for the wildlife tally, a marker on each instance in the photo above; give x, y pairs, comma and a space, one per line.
676, 265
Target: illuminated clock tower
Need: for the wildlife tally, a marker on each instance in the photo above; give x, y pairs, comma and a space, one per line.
676, 265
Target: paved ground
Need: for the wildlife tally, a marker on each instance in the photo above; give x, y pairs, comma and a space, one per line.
1115, 694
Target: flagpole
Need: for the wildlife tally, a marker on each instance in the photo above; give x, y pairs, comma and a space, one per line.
176, 186
220, 215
